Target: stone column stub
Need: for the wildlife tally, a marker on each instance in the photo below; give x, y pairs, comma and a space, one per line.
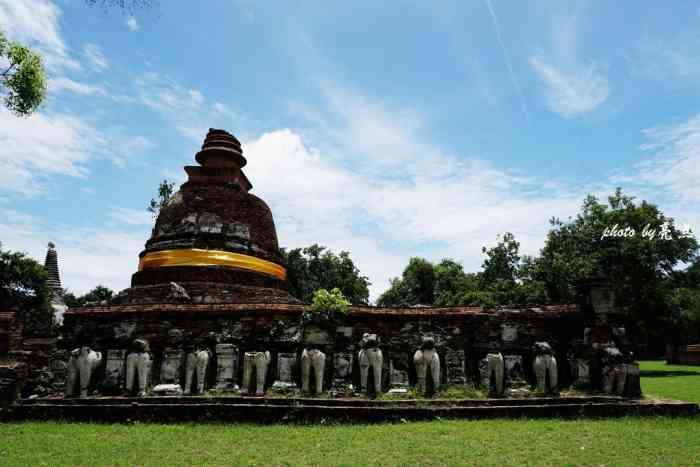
114, 369
226, 367
284, 380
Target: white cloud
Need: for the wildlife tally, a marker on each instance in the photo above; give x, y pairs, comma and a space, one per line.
196, 96
376, 186
572, 93
94, 55
128, 147
676, 162
57, 85
52, 144
131, 24
131, 216
190, 112
219, 107
87, 256
572, 86
36, 22
43, 145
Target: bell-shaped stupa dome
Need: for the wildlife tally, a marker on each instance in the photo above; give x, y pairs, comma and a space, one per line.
213, 237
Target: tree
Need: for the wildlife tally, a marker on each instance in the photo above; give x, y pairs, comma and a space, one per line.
333, 304
96, 296
312, 268
24, 80
165, 192
454, 287
415, 287
636, 264
634, 245
23, 287
502, 261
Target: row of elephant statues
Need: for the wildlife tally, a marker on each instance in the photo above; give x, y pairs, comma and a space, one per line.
544, 366
84, 361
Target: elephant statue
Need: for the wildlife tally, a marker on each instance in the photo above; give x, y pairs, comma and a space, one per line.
138, 363
620, 374
424, 358
545, 365
197, 362
82, 363
492, 370
259, 360
370, 355
312, 358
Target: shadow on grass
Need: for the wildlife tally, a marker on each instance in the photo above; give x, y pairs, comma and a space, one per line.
664, 373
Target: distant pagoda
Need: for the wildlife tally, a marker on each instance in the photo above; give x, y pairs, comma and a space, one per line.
54, 283
51, 266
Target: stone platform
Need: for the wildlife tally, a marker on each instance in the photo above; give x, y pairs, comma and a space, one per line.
276, 410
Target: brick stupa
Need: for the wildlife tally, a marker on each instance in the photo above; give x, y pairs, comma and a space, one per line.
213, 238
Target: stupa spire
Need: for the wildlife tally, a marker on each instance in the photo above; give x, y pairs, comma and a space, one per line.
221, 160
54, 280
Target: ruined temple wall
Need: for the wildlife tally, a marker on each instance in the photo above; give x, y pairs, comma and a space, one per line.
462, 337
11, 331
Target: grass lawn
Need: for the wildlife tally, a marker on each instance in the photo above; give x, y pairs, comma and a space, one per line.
672, 381
628, 441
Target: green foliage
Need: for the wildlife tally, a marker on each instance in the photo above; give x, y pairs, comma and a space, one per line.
329, 302
641, 269
165, 192
23, 287
97, 295
315, 267
415, 287
501, 261
454, 287
23, 81
506, 279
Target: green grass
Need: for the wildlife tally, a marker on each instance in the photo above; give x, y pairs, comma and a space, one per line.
631, 441
671, 381
627, 441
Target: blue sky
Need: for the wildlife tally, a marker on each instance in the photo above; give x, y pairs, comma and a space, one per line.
389, 129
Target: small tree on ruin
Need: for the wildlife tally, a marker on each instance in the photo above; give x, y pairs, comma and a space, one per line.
165, 192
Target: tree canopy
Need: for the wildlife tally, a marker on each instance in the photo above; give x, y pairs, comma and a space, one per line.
23, 287
636, 264
329, 302
22, 77
97, 295
312, 268
642, 267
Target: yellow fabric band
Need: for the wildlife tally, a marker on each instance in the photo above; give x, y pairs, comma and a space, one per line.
197, 257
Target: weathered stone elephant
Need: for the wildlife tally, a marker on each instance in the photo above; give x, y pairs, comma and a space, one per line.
370, 356
545, 365
312, 358
197, 362
138, 363
620, 375
259, 361
82, 363
424, 358
492, 370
